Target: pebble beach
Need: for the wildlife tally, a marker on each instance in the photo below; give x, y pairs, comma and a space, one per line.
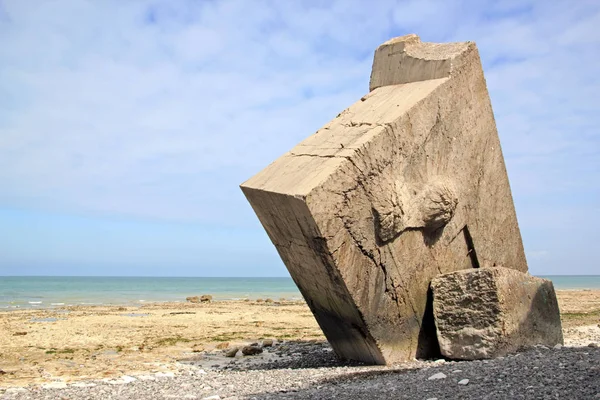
178, 351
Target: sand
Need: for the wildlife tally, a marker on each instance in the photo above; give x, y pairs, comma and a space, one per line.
82, 343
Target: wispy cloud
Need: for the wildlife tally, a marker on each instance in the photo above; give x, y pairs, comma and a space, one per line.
160, 109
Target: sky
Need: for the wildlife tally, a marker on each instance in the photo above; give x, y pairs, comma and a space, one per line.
126, 127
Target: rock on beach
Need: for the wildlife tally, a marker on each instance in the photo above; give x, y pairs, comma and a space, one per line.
251, 350
205, 298
490, 312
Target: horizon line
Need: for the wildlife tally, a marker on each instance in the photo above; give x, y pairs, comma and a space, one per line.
212, 277
131, 276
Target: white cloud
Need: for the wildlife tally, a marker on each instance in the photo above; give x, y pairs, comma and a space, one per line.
160, 109
122, 116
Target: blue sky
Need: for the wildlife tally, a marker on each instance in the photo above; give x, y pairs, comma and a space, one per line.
126, 127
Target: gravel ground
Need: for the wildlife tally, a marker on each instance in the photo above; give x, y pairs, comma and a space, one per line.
311, 371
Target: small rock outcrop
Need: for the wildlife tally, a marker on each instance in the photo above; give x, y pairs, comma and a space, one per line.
205, 298
198, 348
231, 352
490, 312
251, 350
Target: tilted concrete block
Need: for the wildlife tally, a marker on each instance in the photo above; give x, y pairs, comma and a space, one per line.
407, 183
491, 312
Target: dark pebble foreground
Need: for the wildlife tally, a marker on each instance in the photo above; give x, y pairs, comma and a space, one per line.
311, 371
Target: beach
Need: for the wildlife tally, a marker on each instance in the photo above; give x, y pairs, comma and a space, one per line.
83, 343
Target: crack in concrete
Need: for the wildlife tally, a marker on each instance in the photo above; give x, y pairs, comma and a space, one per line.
389, 288
471, 247
314, 155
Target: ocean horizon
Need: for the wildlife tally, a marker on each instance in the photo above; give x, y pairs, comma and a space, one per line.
32, 292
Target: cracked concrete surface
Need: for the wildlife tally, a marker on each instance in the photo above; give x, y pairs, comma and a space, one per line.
420, 149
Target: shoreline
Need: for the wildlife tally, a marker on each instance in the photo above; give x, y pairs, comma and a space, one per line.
21, 293
141, 303
40, 306
83, 343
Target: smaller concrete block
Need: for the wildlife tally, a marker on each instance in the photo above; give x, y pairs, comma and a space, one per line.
490, 312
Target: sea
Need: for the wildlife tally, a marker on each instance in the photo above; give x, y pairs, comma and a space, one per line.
31, 292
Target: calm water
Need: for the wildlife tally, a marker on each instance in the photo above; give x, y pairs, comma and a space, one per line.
42, 292
574, 281
33, 292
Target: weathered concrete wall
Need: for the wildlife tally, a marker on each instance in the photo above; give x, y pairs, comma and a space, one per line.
405, 184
